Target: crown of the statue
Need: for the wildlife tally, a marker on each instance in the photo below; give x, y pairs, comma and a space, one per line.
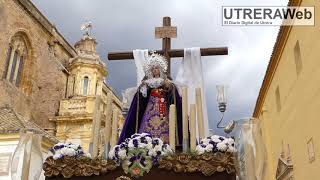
155, 60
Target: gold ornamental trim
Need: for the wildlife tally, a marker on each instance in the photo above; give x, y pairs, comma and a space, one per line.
207, 163
123, 178
72, 166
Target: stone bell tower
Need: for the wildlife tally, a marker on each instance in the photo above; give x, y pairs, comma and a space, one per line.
85, 83
87, 70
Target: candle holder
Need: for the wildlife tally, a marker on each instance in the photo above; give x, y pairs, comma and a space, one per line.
222, 105
222, 97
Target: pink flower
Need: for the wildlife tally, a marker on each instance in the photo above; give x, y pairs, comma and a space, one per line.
135, 171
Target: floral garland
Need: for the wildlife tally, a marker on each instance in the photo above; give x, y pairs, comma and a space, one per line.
66, 149
215, 144
139, 153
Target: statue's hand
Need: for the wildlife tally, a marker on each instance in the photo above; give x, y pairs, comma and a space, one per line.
143, 89
168, 84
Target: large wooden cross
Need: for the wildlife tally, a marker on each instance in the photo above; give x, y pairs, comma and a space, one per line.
166, 33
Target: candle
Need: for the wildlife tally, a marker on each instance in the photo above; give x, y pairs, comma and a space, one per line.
192, 127
114, 136
199, 112
172, 127
185, 134
107, 124
96, 127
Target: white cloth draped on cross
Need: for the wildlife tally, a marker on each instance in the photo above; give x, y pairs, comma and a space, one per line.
190, 74
139, 58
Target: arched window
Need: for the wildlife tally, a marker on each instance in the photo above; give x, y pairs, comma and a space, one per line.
16, 54
85, 85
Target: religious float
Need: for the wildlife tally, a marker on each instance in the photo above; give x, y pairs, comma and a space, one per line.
144, 157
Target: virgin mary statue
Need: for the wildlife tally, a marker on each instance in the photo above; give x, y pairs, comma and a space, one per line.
149, 109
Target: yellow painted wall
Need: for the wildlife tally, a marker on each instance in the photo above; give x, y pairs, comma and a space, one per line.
298, 119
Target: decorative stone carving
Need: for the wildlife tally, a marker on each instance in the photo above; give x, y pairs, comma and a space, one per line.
285, 166
19, 45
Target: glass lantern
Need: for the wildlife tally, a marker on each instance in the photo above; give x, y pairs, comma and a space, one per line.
251, 151
221, 97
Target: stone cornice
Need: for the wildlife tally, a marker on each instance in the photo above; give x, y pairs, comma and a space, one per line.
99, 67
75, 118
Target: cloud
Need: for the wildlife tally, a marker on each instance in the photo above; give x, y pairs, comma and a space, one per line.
127, 25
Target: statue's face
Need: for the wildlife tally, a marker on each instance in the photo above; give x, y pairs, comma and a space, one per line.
156, 71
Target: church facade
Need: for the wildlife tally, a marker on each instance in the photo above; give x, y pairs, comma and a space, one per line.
289, 101
46, 81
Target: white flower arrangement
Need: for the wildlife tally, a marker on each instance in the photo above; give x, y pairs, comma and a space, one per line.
132, 147
214, 144
66, 149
